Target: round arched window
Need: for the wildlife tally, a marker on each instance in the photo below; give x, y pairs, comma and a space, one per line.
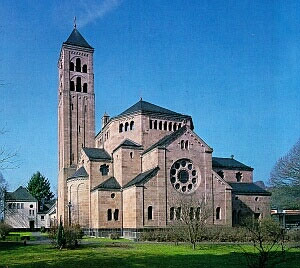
184, 176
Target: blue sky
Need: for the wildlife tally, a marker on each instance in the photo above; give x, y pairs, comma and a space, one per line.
232, 65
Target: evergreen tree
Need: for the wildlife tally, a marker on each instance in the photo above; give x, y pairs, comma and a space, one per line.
39, 187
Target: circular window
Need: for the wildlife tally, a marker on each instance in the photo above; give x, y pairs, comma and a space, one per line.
113, 195
184, 176
31, 206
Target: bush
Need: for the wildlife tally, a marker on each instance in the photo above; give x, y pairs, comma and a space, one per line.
294, 236
114, 236
43, 229
4, 230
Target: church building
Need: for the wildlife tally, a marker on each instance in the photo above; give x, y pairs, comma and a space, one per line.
127, 176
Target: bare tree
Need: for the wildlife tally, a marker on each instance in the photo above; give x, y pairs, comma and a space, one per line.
189, 215
287, 169
7, 157
268, 240
3, 188
285, 180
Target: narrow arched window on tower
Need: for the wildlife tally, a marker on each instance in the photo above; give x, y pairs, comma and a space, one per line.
182, 144
150, 216
84, 68
71, 66
239, 176
85, 88
131, 125
165, 125
78, 84
116, 215
121, 128
150, 124
170, 126
78, 65
172, 213
72, 86
174, 127
155, 124
187, 145
160, 125
126, 126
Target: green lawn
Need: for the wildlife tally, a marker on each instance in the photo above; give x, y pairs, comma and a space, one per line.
106, 253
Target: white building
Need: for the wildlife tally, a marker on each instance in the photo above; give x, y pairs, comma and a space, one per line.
23, 212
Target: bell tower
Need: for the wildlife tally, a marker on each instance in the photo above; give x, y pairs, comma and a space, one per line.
76, 110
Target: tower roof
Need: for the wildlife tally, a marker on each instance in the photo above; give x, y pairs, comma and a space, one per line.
76, 39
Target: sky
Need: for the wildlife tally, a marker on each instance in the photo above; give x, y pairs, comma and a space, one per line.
232, 65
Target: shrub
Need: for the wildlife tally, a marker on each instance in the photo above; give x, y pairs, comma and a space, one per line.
4, 230
43, 229
114, 236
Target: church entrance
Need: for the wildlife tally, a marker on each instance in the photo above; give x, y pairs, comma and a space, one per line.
31, 225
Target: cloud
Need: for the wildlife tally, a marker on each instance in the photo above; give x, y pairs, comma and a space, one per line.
92, 11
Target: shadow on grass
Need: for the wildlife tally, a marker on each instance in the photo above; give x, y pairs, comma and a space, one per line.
110, 255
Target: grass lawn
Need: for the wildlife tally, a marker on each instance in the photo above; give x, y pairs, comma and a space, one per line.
108, 253
16, 236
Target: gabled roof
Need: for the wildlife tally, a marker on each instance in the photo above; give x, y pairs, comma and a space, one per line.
129, 144
81, 172
109, 184
46, 207
229, 163
76, 39
245, 188
96, 154
21, 194
147, 107
142, 178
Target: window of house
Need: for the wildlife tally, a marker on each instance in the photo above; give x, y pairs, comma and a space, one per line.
104, 169
218, 213
239, 176
33, 212
109, 215
221, 174
197, 214
165, 125
150, 124
182, 144
155, 124
116, 214
84, 68
29, 211
191, 213
178, 213
42, 218
170, 126
31, 206
172, 213
131, 155
179, 125
174, 127
113, 195
10, 205
18, 205
186, 145
150, 216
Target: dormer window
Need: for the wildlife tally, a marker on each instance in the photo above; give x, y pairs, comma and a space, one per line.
104, 169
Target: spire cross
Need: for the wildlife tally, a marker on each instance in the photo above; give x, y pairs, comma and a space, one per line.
75, 22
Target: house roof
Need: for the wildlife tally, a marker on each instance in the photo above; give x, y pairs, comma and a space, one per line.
129, 144
81, 172
142, 178
166, 140
21, 194
44, 209
96, 154
229, 163
109, 184
245, 188
76, 39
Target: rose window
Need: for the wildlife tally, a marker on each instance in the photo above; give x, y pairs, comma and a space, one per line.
184, 176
